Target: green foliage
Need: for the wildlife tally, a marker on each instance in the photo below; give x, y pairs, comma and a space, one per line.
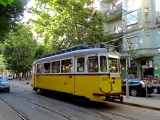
131, 52
39, 51
19, 49
66, 23
5, 2
9, 15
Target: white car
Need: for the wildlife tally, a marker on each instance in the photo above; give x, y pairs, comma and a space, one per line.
10, 77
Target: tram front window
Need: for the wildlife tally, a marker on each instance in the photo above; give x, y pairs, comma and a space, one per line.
113, 64
103, 63
93, 64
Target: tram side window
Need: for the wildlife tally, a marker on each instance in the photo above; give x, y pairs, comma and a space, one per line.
46, 68
113, 64
93, 64
39, 68
80, 64
66, 66
103, 63
56, 67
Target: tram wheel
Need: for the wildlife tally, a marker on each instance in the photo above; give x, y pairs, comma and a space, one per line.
121, 99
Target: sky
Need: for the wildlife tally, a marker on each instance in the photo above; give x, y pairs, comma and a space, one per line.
27, 13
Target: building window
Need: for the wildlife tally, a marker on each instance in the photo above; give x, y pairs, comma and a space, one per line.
132, 18
147, 41
146, 15
80, 64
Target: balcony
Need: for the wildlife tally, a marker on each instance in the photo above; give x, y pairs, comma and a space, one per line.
113, 12
117, 33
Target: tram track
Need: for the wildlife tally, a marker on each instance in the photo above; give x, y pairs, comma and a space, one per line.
108, 115
45, 107
70, 116
19, 114
114, 116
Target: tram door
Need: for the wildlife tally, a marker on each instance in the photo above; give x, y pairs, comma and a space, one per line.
80, 76
67, 77
34, 76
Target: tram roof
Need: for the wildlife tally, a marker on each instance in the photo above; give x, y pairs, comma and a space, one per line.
77, 53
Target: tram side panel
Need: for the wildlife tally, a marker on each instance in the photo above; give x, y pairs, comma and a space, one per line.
95, 86
57, 82
86, 84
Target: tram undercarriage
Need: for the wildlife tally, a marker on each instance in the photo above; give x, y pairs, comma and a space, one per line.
108, 96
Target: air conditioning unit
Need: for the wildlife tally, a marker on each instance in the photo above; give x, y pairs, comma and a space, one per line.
158, 19
149, 64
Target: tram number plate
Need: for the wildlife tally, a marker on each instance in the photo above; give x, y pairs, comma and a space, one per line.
104, 79
65, 83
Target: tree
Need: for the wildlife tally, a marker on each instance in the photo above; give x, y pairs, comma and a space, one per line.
19, 49
68, 22
9, 16
39, 51
5, 2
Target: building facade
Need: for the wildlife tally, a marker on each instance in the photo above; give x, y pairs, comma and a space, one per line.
135, 23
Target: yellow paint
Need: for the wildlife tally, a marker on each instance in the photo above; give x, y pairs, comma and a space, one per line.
80, 85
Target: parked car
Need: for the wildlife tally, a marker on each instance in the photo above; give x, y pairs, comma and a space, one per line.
156, 88
10, 77
137, 86
4, 84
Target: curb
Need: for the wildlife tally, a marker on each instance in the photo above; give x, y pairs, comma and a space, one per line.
138, 105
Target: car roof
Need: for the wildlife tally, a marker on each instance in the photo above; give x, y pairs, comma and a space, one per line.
132, 79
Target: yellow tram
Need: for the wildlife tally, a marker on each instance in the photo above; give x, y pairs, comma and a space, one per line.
80, 72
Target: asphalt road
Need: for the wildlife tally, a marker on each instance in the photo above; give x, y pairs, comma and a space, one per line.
93, 110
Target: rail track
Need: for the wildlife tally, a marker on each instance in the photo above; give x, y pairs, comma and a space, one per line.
69, 117
106, 115
23, 117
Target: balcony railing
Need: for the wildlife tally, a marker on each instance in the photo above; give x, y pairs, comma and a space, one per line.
116, 33
113, 11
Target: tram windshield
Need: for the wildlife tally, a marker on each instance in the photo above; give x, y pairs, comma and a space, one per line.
113, 64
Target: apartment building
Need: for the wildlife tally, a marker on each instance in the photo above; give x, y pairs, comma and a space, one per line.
135, 23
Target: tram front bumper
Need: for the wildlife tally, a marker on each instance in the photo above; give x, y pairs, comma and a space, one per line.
108, 94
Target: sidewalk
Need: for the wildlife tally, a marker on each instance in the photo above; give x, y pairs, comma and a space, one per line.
144, 102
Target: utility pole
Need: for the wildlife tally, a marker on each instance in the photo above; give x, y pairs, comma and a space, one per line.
130, 64
127, 86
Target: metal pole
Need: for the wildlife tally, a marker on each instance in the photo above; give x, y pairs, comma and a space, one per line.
127, 87
146, 91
